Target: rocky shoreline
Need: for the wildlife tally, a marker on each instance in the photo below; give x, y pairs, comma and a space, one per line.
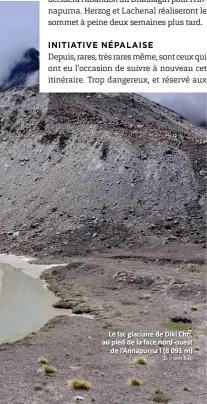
121, 293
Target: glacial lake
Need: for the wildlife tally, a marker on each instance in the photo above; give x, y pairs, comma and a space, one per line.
25, 302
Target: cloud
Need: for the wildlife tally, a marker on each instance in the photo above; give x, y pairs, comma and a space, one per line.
193, 106
19, 30
32, 79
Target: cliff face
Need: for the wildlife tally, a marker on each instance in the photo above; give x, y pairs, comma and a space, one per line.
86, 171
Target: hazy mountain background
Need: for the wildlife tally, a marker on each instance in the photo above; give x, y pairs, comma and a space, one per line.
19, 31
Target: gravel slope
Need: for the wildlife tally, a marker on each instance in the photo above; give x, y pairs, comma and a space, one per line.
93, 171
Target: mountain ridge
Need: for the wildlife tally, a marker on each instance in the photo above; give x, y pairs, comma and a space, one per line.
22, 74
21, 71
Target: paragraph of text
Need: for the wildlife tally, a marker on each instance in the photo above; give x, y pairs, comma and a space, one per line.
123, 46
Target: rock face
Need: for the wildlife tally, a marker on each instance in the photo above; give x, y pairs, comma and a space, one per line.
203, 124
19, 74
86, 171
